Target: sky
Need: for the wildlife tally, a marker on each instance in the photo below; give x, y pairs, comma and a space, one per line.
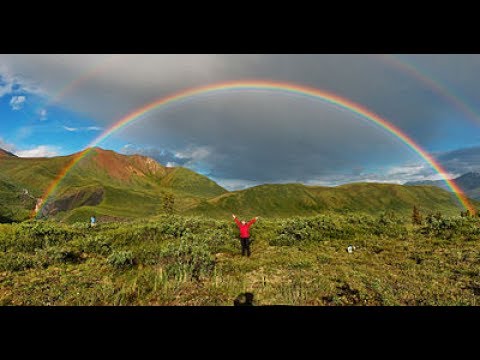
53, 105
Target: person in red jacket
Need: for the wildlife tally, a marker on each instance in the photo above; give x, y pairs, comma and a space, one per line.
244, 233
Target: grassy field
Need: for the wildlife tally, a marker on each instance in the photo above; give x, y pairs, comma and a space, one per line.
178, 260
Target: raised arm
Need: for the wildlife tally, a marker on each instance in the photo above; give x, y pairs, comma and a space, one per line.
236, 220
252, 221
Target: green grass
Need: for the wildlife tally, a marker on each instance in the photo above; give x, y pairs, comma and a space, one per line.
179, 260
14, 203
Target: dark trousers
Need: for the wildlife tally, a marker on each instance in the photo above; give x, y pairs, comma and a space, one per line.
245, 246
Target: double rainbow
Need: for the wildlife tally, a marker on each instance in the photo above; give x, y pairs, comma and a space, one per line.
255, 85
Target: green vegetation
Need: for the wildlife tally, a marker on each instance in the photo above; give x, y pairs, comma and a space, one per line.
162, 239
296, 199
15, 202
121, 187
187, 260
118, 186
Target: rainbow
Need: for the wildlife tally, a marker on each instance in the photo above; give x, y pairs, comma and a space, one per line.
93, 71
252, 85
433, 84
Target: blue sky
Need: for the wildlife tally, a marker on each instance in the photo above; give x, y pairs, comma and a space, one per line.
243, 139
29, 123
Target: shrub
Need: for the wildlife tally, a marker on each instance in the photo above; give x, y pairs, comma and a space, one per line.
16, 262
121, 259
449, 227
58, 255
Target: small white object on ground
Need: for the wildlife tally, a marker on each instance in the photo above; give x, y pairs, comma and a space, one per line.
350, 248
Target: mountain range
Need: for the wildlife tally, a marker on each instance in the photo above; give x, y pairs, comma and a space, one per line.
116, 186
469, 183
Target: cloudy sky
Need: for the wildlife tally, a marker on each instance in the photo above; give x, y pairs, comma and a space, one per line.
57, 104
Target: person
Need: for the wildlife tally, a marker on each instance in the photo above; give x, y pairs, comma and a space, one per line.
244, 227
93, 221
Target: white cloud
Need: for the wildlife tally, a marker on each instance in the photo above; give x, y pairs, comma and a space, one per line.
88, 128
163, 156
11, 83
194, 153
419, 172
438, 176
17, 102
6, 82
406, 170
384, 181
236, 184
43, 114
39, 151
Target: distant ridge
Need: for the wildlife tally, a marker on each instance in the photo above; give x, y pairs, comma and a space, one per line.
6, 153
114, 185
286, 200
469, 183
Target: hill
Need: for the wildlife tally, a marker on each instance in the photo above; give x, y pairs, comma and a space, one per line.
296, 199
15, 201
6, 153
115, 186
469, 183
112, 183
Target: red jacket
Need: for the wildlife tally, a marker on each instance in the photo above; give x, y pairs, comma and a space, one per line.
244, 228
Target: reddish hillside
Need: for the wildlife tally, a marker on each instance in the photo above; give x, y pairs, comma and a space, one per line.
6, 153
122, 167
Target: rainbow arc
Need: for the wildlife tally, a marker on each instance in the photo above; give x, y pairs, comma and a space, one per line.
255, 85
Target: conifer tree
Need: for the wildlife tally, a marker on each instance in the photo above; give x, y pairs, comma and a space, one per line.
416, 216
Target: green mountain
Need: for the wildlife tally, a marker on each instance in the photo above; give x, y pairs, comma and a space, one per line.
15, 202
116, 186
297, 199
107, 183
469, 183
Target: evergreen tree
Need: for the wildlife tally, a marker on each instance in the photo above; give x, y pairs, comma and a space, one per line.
416, 216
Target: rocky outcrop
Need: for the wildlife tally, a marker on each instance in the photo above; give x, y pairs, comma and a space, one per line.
76, 199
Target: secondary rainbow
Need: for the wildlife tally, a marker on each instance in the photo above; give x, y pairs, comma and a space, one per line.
433, 84
87, 75
253, 85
